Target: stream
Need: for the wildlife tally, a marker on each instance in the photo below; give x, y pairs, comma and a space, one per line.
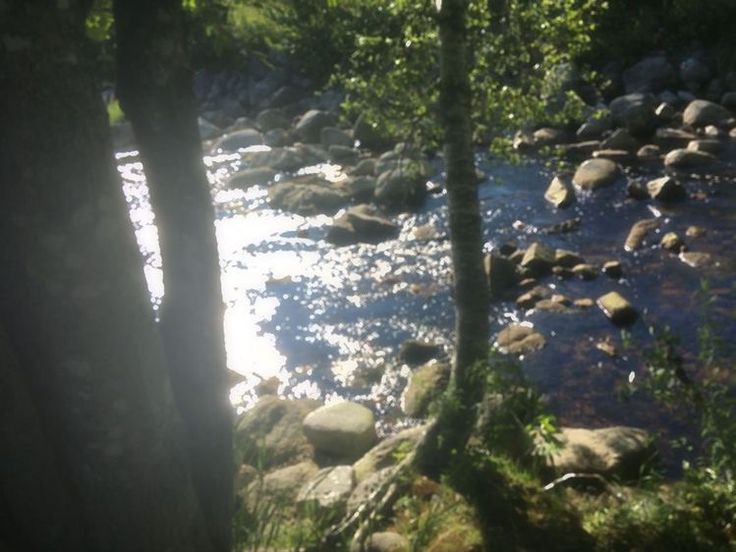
327, 321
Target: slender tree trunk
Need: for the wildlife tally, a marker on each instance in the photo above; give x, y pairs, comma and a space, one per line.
155, 90
76, 313
451, 432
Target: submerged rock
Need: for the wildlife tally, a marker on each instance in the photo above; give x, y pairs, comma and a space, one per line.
361, 224
344, 430
518, 339
257, 176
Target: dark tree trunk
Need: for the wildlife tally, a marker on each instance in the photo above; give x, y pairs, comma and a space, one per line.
82, 350
155, 90
471, 290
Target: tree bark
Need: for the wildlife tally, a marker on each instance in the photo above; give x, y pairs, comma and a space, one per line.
76, 312
155, 91
471, 290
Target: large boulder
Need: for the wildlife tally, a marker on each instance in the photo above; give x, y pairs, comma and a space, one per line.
240, 139
344, 430
386, 453
401, 189
310, 125
651, 74
700, 113
256, 176
307, 196
619, 451
361, 224
596, 173
560, 192
635, 112
694, 72
426, 384
269, 119
328, 491
688, 159
281, 485
271, 432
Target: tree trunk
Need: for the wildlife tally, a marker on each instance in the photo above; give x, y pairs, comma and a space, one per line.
471, 291
155, 90
76, 312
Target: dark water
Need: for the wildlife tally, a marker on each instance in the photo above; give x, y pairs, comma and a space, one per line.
327, 321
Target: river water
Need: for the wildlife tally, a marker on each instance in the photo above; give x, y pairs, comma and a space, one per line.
327, 321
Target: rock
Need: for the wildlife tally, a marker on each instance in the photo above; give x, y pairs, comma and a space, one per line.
619, 451
621, 139
596, 173
584, 303
343, 155
695, 231
639, 232
560, 192
651, 74
548, 137
366, 167
672, 242
385, 453
700, 113
729, 101
612, 269
331, 136
581, 149
328, 490
712, 146
259, 176
666, 189
500, 273
207, 131
712, 132
272, 430
240, 139
310, 125
669, 138
344, 430
269, 119
567, 259
529, 299
538, 259
687, 159
366, 487
281, 485
685, 96
636, 190
288, 159
695, 259
594, 127
617, 156
415, 352
385, 542
634, 112
617, 309
648, 152
562, 272
585, 271
285, 95
426, 384
360, 189
519, 339
665, 112
122, 136
360, 224
695, 71
277, 138
400, 189
307, 196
